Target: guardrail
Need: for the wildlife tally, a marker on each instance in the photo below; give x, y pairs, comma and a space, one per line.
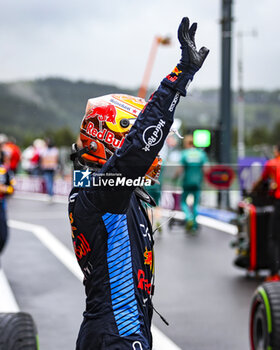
36, 184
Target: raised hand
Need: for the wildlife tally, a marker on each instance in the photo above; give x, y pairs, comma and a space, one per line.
191, 59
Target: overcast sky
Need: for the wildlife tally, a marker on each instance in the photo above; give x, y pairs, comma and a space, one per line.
109, 40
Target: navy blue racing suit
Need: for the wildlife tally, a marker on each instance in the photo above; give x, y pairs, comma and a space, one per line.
112, 235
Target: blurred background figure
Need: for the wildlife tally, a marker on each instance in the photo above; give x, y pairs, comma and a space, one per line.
12, 153
31, 157
155, 190
49, 165
193, 161
271, 176
6, 188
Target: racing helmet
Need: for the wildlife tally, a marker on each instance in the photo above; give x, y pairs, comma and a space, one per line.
107, 121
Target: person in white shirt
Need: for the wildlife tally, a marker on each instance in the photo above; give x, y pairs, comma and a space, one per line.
49, 165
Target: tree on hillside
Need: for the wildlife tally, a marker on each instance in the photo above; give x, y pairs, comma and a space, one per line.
62, 137
275, 134
258, 136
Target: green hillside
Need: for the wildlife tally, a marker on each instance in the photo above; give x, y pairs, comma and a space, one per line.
29, 108
32, 107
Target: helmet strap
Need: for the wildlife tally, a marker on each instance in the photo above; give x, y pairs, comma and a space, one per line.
77, 153
79, 161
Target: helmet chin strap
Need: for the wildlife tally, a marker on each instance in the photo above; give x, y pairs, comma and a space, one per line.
77, 153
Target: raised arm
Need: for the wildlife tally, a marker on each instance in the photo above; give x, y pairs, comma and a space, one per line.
152, 126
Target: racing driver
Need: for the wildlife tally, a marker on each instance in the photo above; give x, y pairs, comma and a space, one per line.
112, 236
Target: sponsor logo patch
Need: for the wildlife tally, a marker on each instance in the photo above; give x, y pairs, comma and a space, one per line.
152, 135
104, 114
104, 135
174, 102
143, 282
81, 246
148, 255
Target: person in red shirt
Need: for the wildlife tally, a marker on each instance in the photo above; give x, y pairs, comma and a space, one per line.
271, 173
13, 156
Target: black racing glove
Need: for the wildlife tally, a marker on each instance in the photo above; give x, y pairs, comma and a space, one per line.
191, 59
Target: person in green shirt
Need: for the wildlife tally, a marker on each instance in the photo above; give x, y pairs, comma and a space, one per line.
193, 161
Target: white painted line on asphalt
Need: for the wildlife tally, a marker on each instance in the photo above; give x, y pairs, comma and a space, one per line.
217, 225
7, 300
64, 255
40, 197
161, 341
203, 220
68, 259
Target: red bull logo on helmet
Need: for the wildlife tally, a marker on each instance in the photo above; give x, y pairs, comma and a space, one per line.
104, 135
104, 113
